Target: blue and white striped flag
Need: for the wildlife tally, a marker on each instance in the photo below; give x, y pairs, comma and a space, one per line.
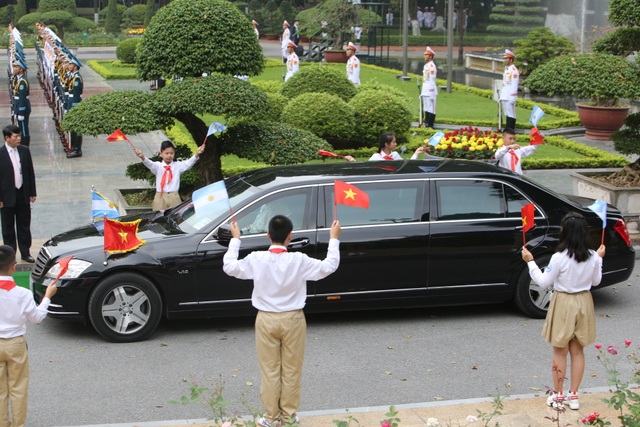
211, 199
216, 127
536, 115
101, 207
435, 139
600, 208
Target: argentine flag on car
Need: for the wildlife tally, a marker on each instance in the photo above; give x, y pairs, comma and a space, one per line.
101, 207
211, 199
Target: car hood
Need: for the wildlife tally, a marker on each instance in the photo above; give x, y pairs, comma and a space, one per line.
87, 239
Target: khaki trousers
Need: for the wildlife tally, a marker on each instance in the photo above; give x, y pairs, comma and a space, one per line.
280, 344
162, 201
14, 381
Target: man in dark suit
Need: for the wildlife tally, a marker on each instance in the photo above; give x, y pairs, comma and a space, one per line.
17, 191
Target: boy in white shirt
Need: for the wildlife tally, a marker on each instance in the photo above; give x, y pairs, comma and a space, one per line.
509, 156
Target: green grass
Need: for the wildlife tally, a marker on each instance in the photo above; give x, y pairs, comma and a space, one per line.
113, 70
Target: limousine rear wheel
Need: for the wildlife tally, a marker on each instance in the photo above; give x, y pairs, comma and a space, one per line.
125, 307
530, 298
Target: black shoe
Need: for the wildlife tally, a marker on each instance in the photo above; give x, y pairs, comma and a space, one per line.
29, 259
74, 154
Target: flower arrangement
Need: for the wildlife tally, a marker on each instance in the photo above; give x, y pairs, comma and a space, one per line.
138, 31
467, 143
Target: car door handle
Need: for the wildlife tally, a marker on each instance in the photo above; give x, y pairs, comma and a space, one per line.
299, 243
519, 227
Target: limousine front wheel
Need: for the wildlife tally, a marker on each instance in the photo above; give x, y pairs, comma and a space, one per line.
530, 298
125, 307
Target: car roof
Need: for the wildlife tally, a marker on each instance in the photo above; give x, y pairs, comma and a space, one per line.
318, 172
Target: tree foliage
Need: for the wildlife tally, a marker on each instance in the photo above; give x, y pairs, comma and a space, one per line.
539, 46
126, 50
21, 9
272, 143
323, 114
112, 23
131, 111
68, 6
319, 79
625, 15
149, 11
187, 38
516, 17
376, 112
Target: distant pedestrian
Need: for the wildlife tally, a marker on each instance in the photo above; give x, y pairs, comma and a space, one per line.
293, 62
255, 28
286, 36
280, 293
389, 18
353, 65
510, 155
167, 174
16, 308
429, 87
509, 92
570, 324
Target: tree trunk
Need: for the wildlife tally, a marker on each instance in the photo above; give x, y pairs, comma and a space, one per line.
210, 164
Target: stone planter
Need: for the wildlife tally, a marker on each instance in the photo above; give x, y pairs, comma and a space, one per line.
601, 122
335, 56
127, 209
627, 199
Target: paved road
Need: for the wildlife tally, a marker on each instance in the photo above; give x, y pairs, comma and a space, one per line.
352, 360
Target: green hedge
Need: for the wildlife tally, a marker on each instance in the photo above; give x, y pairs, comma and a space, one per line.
113, 70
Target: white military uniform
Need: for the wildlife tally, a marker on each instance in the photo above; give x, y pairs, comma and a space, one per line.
429, 87
353, 70
286, 36
293, 64
509, 92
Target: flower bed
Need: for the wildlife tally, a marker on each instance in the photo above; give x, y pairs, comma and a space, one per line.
467, 143
138, 31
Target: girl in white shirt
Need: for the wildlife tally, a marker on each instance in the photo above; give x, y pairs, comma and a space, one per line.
386, 149
570, 324
167, 174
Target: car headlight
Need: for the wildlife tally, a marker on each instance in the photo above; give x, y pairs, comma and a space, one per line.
76, 267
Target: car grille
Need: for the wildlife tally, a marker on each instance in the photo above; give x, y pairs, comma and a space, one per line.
41, 262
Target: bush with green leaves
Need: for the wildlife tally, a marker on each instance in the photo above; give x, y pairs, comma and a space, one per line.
378, 111
7, 13
323, 114
319, 79
375, 85
81, 25
134, 15
627, 140
20, 10
277, 103
102, 15
126, 50
272, 143
625, 39
114, 17
149, 11
57, 5
538, 47
268, 86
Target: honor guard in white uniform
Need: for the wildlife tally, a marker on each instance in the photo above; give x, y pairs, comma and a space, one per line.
286, 36
509, 92
353, 65
429, 87
255, 29
293, 63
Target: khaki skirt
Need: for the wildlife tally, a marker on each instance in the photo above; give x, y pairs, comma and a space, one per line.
163, 201
570, 316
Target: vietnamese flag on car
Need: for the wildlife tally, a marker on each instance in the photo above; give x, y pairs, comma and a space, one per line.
120, 237
528, 212
350, 195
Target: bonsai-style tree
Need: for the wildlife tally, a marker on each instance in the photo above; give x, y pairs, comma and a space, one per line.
625, 15
516, 17
112, 23
56, 13
538, 47
599, 77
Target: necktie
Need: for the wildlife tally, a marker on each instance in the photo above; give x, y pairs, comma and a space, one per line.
277, 250
387, 157
514, 160
17, 170
166, 177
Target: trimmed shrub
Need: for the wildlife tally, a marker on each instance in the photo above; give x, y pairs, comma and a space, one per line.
81, 25
272, 143
377, 112
55, 5
324, 114
114, 16
268, 86
134, 15
319, 79
7, 13
126, 50
381, 87
20, 10
277, 103
102, 15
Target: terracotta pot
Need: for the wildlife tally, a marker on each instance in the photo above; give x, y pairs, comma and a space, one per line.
304, 39
272, 36
601, 122
335, 56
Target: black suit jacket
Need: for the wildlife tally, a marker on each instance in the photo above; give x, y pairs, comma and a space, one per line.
7, 179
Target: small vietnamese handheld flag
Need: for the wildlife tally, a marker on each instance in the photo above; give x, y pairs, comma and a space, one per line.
64, 267
117, 136
350, 195
536, 115
120, 237
528, 213
535, 138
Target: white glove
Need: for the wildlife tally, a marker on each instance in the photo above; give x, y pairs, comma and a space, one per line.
20, 118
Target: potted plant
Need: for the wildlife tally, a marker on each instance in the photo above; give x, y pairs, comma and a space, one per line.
599, 79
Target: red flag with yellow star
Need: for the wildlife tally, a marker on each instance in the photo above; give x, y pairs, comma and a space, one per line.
120, 237
117, 136
528, 213
350, 195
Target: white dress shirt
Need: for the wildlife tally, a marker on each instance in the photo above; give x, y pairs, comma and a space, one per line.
177, 168
568, 275
17, 166
16, 308
507, 161
279, 279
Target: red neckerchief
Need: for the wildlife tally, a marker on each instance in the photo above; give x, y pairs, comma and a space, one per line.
514, 160
7, 285
387, 157
167, 176
277, 250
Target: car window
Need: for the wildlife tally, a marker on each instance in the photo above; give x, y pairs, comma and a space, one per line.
389, 203
293, 204
469, 199
515, 202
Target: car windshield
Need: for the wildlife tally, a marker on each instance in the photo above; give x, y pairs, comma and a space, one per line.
190, 220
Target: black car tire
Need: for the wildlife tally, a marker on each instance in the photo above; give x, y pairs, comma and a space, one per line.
530, 298
125, 307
